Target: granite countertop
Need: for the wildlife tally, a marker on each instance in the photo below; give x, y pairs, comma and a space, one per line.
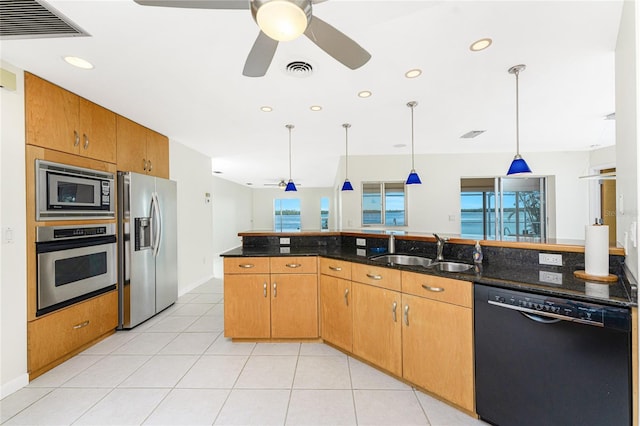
522, 277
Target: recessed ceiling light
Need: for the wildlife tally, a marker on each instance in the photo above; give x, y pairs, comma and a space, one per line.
316, 108
481, 44
413, 73
364, 94
78, 62
266, 108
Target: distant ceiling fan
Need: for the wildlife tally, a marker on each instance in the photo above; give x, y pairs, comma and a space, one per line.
281, 20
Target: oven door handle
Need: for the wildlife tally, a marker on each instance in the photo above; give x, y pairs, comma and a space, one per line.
540, 318
156, 219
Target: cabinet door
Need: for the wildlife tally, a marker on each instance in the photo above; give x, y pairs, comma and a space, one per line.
294, 306
131, 140
247, 306
98, 132
51, 115
377, 326
157, 154
336, 311
437, 345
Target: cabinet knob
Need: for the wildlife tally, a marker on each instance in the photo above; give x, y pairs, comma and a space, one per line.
81, 325
346, 296
406, 314
150, 165
293, 265
374, 277
433, 289
144, 164
335, 268
76, 138
264, 290
86, 140
394, 308
246, 265
275, 289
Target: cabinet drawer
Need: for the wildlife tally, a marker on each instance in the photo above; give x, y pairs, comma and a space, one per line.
294, 265
437, 288
335, 268
60, 333
246, 265
376, 275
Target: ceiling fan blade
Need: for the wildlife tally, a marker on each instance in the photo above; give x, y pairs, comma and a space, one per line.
198, 4
336, 44
260, 56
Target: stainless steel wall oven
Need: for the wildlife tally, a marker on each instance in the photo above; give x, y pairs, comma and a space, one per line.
74, 263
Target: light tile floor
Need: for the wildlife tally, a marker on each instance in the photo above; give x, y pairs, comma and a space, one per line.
178, 369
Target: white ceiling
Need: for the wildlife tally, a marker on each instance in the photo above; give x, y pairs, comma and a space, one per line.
179, 71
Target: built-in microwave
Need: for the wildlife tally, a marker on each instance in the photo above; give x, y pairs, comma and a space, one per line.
65, 192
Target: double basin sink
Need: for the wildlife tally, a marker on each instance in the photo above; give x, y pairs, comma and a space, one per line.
413, 260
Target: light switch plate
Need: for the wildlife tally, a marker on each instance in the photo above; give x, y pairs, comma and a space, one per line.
361, 252
285, 241
285, 250
550, 259
361, 242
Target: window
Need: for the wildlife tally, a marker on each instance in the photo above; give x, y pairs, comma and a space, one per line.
384, 203
286, 214
502, 208
324, 213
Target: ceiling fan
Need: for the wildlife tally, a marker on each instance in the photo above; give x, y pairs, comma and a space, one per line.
281, 20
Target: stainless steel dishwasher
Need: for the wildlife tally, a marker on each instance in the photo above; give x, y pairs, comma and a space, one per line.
546, 360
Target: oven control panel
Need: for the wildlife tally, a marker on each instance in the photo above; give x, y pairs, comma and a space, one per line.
57, 233
555, 307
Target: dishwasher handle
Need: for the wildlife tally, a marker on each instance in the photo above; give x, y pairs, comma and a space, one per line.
540, 318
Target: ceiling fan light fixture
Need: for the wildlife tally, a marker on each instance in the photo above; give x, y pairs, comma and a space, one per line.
283, 20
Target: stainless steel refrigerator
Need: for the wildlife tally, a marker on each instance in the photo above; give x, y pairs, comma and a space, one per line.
147, 247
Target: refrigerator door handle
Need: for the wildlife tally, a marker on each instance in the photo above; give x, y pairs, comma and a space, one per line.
157, 223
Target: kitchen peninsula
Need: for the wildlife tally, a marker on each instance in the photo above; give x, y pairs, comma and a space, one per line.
413, 322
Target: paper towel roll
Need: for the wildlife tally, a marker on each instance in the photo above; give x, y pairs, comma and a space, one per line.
596, 250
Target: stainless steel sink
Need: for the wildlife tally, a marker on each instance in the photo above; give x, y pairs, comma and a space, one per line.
402, 259
451, 266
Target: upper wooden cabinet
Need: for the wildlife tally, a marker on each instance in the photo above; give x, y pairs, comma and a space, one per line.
63, 121
141, 150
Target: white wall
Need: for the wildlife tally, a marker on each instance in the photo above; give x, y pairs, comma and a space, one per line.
627, 114
192, 171
432, 205
232, 209
13, 261
309, 206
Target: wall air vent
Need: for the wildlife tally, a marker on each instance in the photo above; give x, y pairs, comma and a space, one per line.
20, 19
472, 134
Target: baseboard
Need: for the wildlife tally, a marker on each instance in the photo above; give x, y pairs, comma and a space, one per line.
194, 285
14, 385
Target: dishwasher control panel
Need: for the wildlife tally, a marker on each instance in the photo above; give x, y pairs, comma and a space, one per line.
556, 307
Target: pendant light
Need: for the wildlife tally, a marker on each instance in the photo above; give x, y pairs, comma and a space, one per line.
346, 186
413, 176
518, 165
290, 185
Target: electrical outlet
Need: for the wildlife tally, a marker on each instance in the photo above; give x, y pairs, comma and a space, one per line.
285, 250
551, 277
285, 241
361, 242
361, 252
550, 259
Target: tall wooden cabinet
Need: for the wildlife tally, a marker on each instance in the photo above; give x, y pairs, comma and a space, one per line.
141, 150
63, 121
271, 297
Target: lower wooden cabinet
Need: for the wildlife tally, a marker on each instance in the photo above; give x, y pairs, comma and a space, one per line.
56, 336
282, 304
336, 317
377, 326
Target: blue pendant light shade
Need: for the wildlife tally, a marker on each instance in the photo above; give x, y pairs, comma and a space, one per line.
290, 185
346, 186
518, 165
413, 176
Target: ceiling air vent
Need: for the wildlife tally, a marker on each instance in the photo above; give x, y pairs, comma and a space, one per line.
299, 69
34, 19
472, 134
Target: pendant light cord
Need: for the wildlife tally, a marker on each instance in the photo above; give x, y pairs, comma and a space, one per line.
346, 149
412, 105
289, 126
517, 73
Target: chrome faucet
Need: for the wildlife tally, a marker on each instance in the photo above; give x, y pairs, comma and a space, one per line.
440, 247
392, 244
